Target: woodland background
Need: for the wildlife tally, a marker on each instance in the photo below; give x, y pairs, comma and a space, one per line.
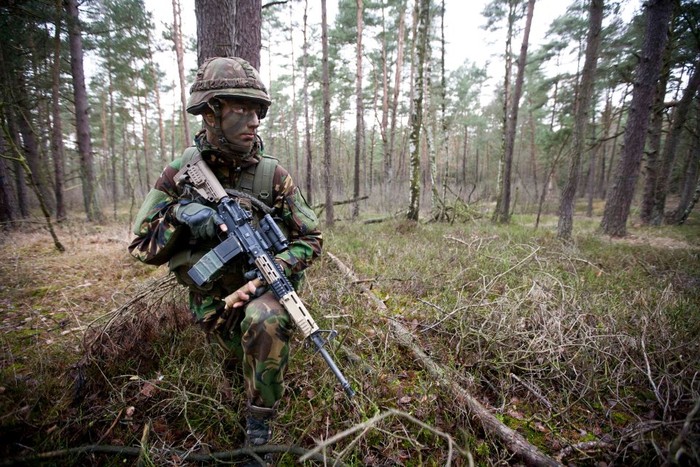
402, 131
456, 209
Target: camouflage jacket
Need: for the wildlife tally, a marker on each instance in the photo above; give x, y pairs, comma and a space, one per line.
160, 237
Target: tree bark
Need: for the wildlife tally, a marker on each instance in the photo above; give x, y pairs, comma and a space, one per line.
581, 117
307, 120
57, 153
690, 181
617, 206
327, 163
30, 143
384, 123
13, 139
159, 108
508, 63
82, 120
216, 34
421, 41
680, 116
502, 214
359, 112
653, 154
247, 37
7, 205
179, 52
389, 171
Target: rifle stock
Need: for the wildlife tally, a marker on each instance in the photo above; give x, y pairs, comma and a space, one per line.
256, 245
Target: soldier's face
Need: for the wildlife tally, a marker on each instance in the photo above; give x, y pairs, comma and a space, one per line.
239, 123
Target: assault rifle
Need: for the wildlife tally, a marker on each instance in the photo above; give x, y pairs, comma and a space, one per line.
256, 244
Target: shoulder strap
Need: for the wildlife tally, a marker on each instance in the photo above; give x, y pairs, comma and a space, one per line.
257, 179
262, 184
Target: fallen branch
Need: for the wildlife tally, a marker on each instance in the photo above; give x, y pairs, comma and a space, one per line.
510, 438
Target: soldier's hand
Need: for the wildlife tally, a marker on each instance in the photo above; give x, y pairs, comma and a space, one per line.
203, 221
241, 296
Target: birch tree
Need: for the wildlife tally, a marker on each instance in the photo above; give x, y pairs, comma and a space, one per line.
421, 41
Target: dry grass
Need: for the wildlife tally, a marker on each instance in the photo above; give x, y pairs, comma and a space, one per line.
587, 349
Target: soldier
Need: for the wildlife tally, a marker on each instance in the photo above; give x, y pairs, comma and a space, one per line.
174, 227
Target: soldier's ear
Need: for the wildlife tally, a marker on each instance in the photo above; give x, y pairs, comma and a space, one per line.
208, 117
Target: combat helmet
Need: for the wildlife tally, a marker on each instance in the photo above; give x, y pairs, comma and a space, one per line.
226, 77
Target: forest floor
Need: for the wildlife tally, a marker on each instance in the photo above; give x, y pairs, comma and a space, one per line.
587, 349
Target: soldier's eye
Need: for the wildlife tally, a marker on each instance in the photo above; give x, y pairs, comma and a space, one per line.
238, 109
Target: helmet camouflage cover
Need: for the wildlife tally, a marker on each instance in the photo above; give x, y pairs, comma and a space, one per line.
226, 77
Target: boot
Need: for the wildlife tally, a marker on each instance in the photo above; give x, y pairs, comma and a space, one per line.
258, 431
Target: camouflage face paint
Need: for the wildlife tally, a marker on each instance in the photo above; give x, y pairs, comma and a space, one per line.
239, 130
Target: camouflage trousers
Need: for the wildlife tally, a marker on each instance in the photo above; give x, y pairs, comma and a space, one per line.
256, 336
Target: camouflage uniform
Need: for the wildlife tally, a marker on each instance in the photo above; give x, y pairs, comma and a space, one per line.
256, 335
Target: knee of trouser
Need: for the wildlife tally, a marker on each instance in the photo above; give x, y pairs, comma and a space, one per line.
266, 315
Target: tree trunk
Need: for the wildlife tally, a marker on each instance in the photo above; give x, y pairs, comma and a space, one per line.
690, 182
592, 174
216, 28
247, 38
389, 172
421, 41
82, 120
30, 143
359, 115
617, 206
384, 124
606, 121
327, 166
502, 215
307, 120
159, 107
581, 116
20, 183
653, 154
533, 148
295, 116
691, 205
670, 147
7, 204
444, 134
57, 153
614, 146
508, 62
145, 139
179, 52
